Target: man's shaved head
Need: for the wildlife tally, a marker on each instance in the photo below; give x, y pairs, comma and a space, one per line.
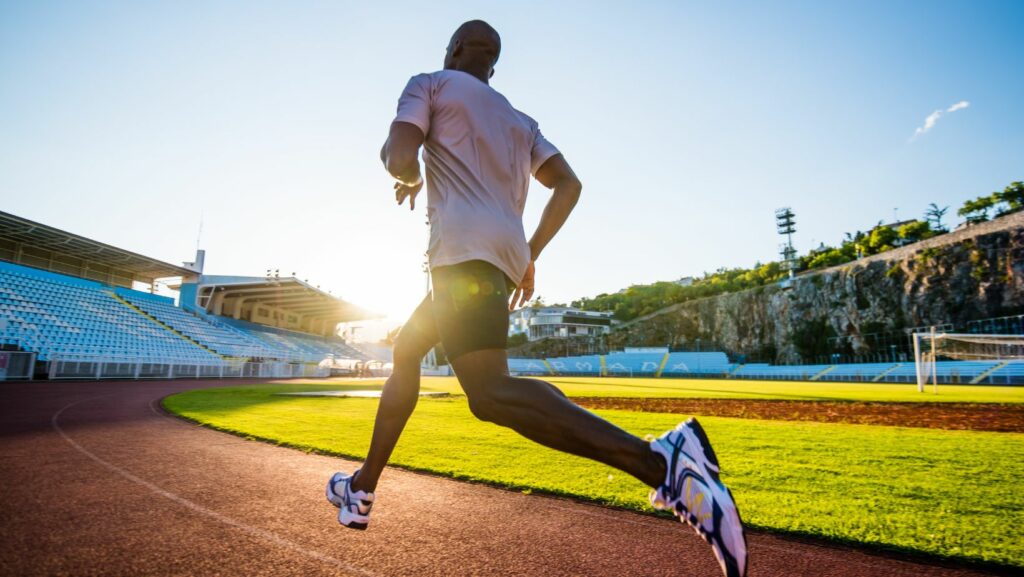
474, 48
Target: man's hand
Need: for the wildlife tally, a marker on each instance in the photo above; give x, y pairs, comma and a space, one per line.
523, 292
403, 191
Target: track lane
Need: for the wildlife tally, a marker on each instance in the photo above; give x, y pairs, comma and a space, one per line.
98, 481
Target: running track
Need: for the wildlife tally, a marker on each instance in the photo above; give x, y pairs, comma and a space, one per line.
97, 480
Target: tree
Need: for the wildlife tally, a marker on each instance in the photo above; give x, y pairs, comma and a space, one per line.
828, 258
916, 230
976, 210
881, 239
1013, 196
933, 216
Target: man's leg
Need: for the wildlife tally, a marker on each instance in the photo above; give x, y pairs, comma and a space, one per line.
401, 391
539, 411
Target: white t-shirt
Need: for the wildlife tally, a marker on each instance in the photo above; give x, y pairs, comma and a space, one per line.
479, 155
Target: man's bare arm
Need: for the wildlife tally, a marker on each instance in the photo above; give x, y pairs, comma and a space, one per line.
557, 175
400, 155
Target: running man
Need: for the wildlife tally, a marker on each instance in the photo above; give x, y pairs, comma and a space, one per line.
479, 154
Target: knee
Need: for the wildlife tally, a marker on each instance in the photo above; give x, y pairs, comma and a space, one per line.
406, 355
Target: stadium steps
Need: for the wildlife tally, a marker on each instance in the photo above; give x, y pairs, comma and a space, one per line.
881, 376
547, 365
664, 361
604, 367
118, 298
823, 373
984, 375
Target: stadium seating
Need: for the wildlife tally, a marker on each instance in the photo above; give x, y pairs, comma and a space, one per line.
716, 364
857, 372
527, 367
54, 316
582, 365
682, 364
947, 371
225, 342
58, 316
780, 372
1010, 372
292, 345
633, 363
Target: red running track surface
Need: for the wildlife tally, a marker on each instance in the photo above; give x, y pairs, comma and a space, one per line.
97, 480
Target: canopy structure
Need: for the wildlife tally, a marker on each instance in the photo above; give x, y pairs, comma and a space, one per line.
287, 303
37, 245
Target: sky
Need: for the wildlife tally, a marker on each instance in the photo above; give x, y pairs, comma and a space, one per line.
688, 123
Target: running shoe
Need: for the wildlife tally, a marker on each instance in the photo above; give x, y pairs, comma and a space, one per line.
353, 507
696, 495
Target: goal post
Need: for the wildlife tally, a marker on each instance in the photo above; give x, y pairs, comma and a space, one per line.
986, 352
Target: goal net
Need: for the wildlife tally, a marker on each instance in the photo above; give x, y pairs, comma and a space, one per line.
962, 358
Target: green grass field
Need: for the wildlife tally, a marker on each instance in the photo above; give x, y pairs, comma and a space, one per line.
948, 493
741, 389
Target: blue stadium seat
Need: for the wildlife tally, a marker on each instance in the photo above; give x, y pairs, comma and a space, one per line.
55, 315
223, 341
706, 363
633, 363
527, 367
293, 345
580, 365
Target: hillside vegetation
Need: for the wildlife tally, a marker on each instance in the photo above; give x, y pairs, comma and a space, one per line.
640, 300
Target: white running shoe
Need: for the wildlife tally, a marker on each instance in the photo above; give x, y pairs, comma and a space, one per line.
353, 507
693, 491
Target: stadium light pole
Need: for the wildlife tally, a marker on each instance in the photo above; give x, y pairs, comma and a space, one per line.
785, 224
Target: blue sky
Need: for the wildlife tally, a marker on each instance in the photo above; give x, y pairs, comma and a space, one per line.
689, 123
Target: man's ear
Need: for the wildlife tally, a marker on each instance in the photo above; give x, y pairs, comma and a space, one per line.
491, 75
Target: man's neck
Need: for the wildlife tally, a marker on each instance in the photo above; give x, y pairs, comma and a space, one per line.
480, 74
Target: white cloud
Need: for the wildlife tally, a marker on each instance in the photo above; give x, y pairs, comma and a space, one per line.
933, 118
958, 106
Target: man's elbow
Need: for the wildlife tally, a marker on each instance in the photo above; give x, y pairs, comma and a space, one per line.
570, 188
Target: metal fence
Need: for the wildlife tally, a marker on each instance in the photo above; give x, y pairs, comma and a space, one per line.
16, 365
90, 367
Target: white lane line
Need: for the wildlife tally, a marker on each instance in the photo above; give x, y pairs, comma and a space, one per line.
254, 531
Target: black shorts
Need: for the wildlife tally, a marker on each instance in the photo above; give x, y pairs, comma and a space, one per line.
467, 309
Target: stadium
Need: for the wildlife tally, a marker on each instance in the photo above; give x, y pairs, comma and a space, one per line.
93, 324
864, 389
71, 312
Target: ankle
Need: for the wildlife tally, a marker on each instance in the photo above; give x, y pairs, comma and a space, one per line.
357, 484
658, 469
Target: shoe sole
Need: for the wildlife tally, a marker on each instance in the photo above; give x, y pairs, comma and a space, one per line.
350, 524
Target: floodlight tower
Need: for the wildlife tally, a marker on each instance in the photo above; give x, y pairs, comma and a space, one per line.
785, 223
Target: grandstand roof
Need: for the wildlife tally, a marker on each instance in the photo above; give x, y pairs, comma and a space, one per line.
38, 245
288, 294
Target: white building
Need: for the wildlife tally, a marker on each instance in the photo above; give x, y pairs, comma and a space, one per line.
685, 281
558, 322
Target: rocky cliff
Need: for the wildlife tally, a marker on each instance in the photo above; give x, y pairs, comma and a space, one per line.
860, 308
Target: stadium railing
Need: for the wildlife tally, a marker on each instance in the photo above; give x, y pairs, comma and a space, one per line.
16, 365
93, 367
